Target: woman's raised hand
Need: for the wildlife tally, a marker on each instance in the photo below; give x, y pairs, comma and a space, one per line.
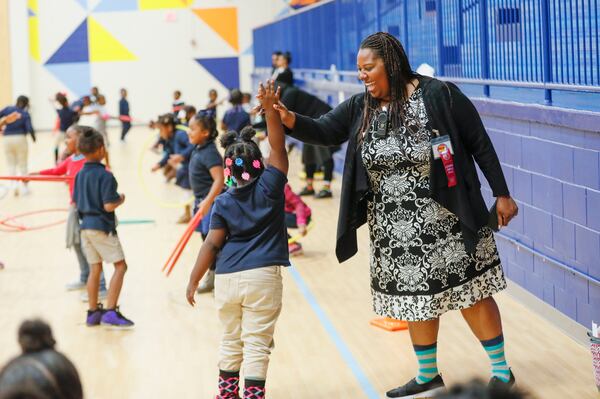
288, 118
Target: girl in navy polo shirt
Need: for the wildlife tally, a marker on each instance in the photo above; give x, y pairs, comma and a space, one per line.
248, 239
206, 178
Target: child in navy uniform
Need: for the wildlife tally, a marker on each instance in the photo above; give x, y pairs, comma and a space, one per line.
124, 114
175, 143
235, 118
66, 117
206, 178
248, 239
95, 195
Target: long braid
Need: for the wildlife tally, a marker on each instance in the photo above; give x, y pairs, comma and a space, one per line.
399, 74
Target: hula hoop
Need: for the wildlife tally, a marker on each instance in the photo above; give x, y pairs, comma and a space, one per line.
145, 187
21, 228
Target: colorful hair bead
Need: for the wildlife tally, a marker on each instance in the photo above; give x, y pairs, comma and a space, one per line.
246, 176
227, 172
239, 161
228, 162
256, 164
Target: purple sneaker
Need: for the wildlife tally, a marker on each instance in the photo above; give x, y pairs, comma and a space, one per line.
94, 316
114, 318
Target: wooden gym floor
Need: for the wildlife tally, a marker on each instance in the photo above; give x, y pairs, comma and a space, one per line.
325, 347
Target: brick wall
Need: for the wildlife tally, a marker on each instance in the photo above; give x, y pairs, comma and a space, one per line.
551, 161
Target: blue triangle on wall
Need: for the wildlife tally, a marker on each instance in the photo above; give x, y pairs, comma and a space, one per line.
116, 5
75, 76
74, 49
83, 4
226, 70
249, 50
30, 13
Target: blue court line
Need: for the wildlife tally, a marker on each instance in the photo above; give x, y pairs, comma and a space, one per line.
342, 348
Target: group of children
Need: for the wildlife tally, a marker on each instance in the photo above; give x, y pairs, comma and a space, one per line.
246, 205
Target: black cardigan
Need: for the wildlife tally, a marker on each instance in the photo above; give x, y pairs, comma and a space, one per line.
450, 112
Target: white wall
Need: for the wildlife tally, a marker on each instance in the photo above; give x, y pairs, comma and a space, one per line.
162, 40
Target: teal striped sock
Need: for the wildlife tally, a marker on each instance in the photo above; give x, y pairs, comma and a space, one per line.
427, 357
495, 349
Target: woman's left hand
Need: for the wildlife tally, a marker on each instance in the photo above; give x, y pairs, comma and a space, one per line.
507, 209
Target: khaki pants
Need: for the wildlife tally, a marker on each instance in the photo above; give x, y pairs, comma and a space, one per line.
16, 150
248, 303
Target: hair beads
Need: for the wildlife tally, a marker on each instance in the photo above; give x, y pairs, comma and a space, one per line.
242, 156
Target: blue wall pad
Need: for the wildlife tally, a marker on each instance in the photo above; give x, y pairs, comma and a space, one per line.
74, 49
225, 70
75, 76
116, 5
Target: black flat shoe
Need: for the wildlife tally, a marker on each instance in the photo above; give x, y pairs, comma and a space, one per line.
414, 390
324, 194
306, 191
497, 383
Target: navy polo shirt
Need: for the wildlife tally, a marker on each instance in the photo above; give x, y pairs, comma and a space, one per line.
94, 187
21, 125
236, 118
203, 159
67, 118
254, 218
177, 144
123, 107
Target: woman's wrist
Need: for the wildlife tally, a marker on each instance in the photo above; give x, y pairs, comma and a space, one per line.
291, 121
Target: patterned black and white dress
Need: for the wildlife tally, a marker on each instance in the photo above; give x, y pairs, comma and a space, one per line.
419, 266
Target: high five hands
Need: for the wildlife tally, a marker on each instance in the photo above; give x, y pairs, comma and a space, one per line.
288, 118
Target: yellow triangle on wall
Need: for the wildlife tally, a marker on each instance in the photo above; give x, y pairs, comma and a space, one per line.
161, 4
223, 21
34, 39
103, 46
32, 5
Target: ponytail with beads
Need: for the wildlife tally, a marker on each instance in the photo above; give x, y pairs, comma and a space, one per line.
243, 159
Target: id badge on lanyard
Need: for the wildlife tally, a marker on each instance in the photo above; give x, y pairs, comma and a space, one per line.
442, 149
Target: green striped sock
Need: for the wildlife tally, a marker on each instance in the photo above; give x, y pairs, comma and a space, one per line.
495, 349
427, 357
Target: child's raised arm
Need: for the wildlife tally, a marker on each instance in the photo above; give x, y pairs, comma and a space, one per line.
206, 257
268, 96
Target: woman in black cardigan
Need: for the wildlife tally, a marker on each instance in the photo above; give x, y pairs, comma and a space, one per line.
431, 247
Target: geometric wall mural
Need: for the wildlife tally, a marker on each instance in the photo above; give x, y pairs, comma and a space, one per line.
90, 41
116, 5
223, 21
75, 76
34, 30
162, 4
225, 69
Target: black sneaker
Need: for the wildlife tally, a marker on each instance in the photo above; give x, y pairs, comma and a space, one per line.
496, 383
324, 193
306, 191
414, 390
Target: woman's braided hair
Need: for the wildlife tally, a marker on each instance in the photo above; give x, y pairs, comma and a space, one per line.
399, 74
